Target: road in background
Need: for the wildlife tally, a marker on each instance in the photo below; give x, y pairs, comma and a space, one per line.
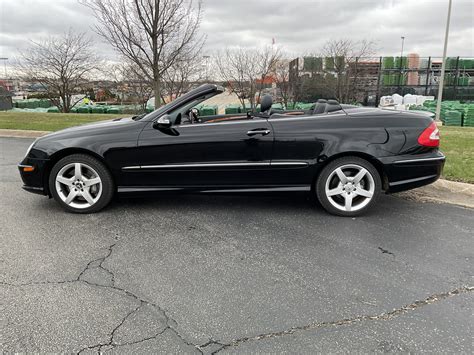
231, 274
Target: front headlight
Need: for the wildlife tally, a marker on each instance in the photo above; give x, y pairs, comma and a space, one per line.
29, 148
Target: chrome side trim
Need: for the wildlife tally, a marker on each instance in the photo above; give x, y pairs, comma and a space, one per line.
289, 163
215, 189
418, 160
215, 165
24, 166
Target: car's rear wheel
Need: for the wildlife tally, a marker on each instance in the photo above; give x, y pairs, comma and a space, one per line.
81, 184
348, 186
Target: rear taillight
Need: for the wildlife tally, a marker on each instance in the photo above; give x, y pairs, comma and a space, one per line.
430, 136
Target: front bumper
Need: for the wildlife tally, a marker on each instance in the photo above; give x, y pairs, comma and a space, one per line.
412, 171
33, 179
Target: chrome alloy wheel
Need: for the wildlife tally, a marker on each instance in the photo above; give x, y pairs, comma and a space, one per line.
350, 187
78, 185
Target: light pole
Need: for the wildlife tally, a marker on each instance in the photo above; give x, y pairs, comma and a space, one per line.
401, 66
443, 65
401, 52
206, 59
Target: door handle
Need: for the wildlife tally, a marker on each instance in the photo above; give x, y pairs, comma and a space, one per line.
254, 132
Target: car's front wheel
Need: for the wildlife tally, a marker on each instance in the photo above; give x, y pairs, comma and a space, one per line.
81, 184
348, 186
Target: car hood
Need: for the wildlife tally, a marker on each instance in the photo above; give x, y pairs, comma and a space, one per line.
92, 128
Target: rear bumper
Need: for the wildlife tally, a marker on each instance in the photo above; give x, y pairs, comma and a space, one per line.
409, 172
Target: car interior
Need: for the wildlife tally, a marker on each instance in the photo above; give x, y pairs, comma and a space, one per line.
190, 114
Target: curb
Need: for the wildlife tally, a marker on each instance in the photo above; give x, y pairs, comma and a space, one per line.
443, 191
19, 133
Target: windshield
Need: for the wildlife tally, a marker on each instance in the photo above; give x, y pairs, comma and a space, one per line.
207, 91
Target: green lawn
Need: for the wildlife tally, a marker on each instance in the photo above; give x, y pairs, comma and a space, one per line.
37, 121
457, 143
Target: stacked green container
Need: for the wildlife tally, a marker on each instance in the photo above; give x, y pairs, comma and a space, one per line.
208, 110
97, 109
83, 109
113, 109
387, 63
469, 115
53, 109
232, 109
453, 118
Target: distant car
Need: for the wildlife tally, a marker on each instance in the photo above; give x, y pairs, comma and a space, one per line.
343, 154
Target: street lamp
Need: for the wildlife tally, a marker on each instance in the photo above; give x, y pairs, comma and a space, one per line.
403, 42
443, 65
206, 59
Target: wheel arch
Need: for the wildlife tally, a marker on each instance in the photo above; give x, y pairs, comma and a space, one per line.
57, 156
370, 158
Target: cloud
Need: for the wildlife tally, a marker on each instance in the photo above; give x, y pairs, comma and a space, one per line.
299, 26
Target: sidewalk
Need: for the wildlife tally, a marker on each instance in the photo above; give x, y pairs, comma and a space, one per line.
19, 133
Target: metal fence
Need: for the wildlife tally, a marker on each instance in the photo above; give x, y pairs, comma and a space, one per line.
373, 77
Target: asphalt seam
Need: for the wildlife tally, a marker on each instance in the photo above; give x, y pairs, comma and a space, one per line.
383, 316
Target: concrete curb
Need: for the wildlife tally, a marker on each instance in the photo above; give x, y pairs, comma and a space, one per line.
443, 191
19, 133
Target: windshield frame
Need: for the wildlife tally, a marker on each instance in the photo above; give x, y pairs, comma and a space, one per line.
200, 91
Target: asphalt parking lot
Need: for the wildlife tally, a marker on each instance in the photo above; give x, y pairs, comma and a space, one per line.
231, 274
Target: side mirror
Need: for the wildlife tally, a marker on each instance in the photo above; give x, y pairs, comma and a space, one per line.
163, 122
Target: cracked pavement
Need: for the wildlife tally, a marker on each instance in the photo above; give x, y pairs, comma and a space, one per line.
207, 274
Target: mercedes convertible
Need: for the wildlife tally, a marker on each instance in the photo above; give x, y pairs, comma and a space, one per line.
345, 155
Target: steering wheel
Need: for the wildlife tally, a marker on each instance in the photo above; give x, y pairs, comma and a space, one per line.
194, 115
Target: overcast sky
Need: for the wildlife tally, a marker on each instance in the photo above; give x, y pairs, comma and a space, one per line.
299, 26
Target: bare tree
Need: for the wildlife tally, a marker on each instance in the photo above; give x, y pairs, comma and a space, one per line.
153, 34
62, 65
282, 78
343, 53
181, 76
245, 70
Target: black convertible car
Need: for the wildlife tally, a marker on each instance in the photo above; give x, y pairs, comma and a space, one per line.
346, 155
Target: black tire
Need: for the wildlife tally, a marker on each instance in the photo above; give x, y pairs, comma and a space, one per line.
361, 203
108, 187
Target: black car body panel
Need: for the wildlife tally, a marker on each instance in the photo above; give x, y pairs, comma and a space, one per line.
245, 153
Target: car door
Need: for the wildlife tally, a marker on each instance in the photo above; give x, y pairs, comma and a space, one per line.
234, 153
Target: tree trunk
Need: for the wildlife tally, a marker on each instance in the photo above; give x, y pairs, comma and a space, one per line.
157, 91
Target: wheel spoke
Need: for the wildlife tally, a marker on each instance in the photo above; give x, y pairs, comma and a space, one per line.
77, 171
72, 194
90, 182
348, 204
336, 191
341, 175
359, 176
365, 193
88, 197
65, 181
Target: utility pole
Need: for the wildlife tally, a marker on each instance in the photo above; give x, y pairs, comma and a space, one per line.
443, 65
401, 52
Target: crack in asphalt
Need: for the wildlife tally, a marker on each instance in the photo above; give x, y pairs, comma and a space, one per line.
383, 316
98, 263
385, 251
171, 323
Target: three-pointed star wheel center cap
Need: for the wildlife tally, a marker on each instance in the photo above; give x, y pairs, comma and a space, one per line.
79, 185
349, 187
